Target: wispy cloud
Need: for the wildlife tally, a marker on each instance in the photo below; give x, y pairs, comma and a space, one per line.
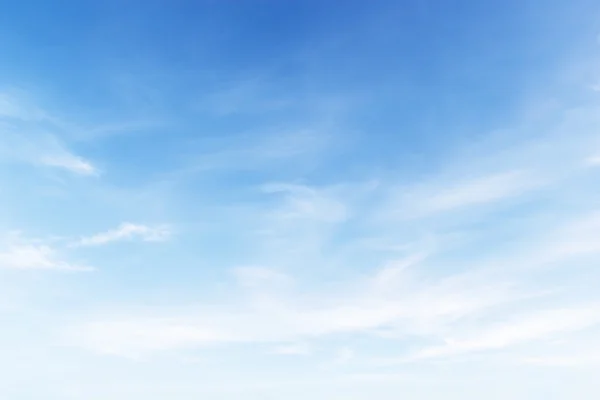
307, 215
258, 151
474, 192
44, 150
306, 203
20, 254
397, 291
13, 106
284, 318
593, 161
537, 326
30, 136
579, 350
71, 163
125, 232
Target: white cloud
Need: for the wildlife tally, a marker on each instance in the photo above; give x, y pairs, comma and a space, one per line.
11, 106
22, 255
257, 151
593, 161
398, 299
71, 163
512, 242
401, 298
575, 349
30, 135
459, 194
478, 191
528, 328
136, 338
287, 318
454, 298
43, 150
127, 231
306, 203
575, 238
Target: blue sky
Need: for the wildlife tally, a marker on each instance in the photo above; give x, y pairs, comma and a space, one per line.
281, 199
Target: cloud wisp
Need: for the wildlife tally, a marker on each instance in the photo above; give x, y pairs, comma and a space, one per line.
211, 200
537, 326
275, 318
20, 254
126, 232
32, 136
70, 162
396, 291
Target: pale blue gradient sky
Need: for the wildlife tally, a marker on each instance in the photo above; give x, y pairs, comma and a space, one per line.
274, 199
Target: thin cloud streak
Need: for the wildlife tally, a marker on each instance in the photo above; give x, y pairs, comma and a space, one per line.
126, 232
275, 319
29, 136
532, 327
393, 300
71, 163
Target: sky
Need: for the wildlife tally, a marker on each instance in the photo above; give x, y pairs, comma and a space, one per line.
277, 199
